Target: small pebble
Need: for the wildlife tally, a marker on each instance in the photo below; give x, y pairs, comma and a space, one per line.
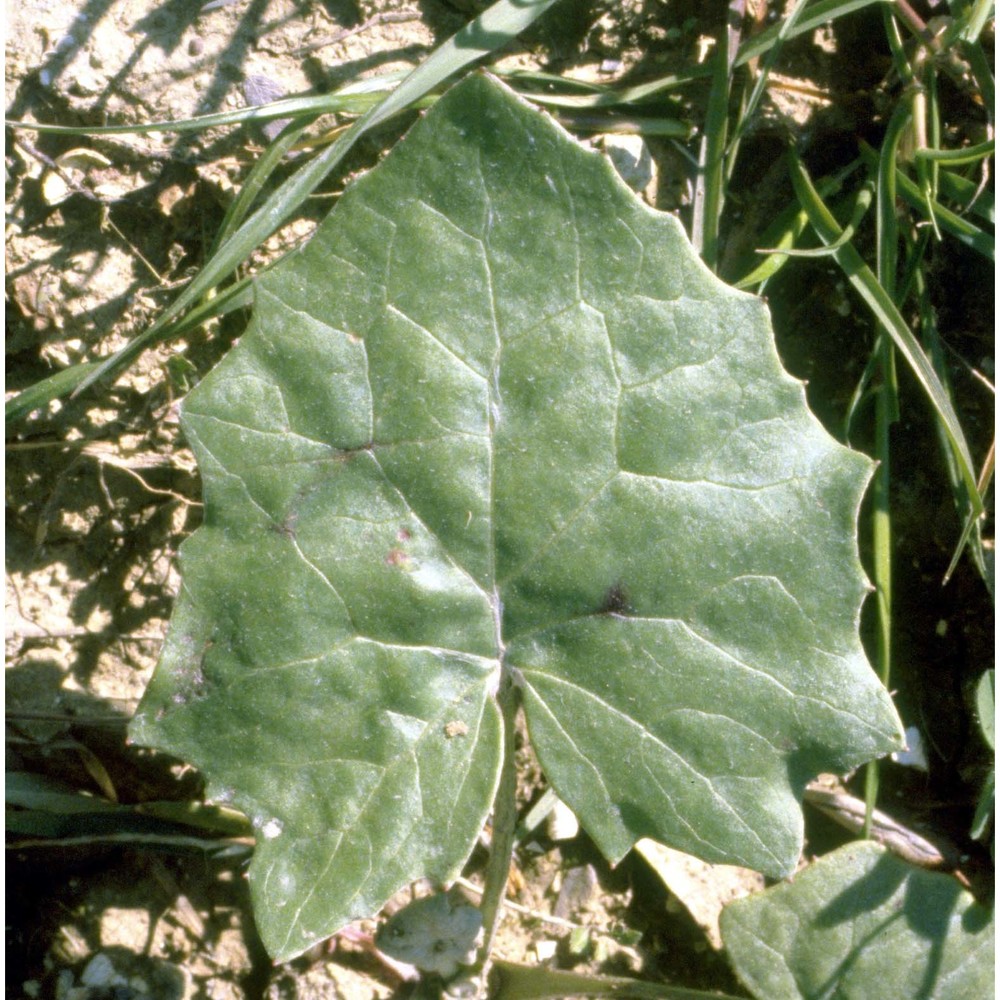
86, 84
100, 972
563, 824
196, 46
545, 950
578, 888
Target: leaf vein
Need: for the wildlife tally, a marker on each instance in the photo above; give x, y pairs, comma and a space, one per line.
679, 759
455, 564
391, 307
540, 551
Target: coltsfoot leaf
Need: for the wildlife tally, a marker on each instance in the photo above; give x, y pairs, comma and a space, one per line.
863, 924
497, 415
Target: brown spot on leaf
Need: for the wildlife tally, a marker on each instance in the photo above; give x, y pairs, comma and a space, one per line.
616, 601
286, 527
455, 728
346, 454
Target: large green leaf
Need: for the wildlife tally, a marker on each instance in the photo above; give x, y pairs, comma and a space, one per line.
497, 416
863, 925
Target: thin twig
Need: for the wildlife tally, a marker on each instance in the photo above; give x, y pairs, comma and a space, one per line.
27, 629
78, 188
124, 466
526, 911
386, 17
849, 812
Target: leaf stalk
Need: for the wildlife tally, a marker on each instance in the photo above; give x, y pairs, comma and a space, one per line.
504, 819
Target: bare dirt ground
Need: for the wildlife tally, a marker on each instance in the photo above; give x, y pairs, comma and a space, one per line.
101, 491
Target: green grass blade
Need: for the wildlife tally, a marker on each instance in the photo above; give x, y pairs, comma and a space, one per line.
972, 523
670, 128
816, 15
959, 227
964, 231
259, 174
77, 378
979, 16
44, 391
594, 95
862, 203
496, 26
787, 228
970, 197
865, 284
957, 157
932, 340
785, 30
887, 232
860, 394
709, 191
886, 414
342, 102
900, 58
928, 171
782, 239
981, 71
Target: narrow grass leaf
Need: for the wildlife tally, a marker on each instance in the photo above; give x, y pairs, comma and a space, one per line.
862, 203
786, 29
76, 379
671, 128
986, 700
886, 227
957, 157
971, 198
982, 70
971, 26
291, 107
815, 16
972, 520
886, 413
964, 231
596, 96
865, 283
971, 536
45, 390
788, 227
709, 189
258, 177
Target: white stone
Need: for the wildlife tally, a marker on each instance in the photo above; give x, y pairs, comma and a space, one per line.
125, 928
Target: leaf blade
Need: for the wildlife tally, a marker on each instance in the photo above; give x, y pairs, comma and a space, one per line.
432, 457
856, 919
